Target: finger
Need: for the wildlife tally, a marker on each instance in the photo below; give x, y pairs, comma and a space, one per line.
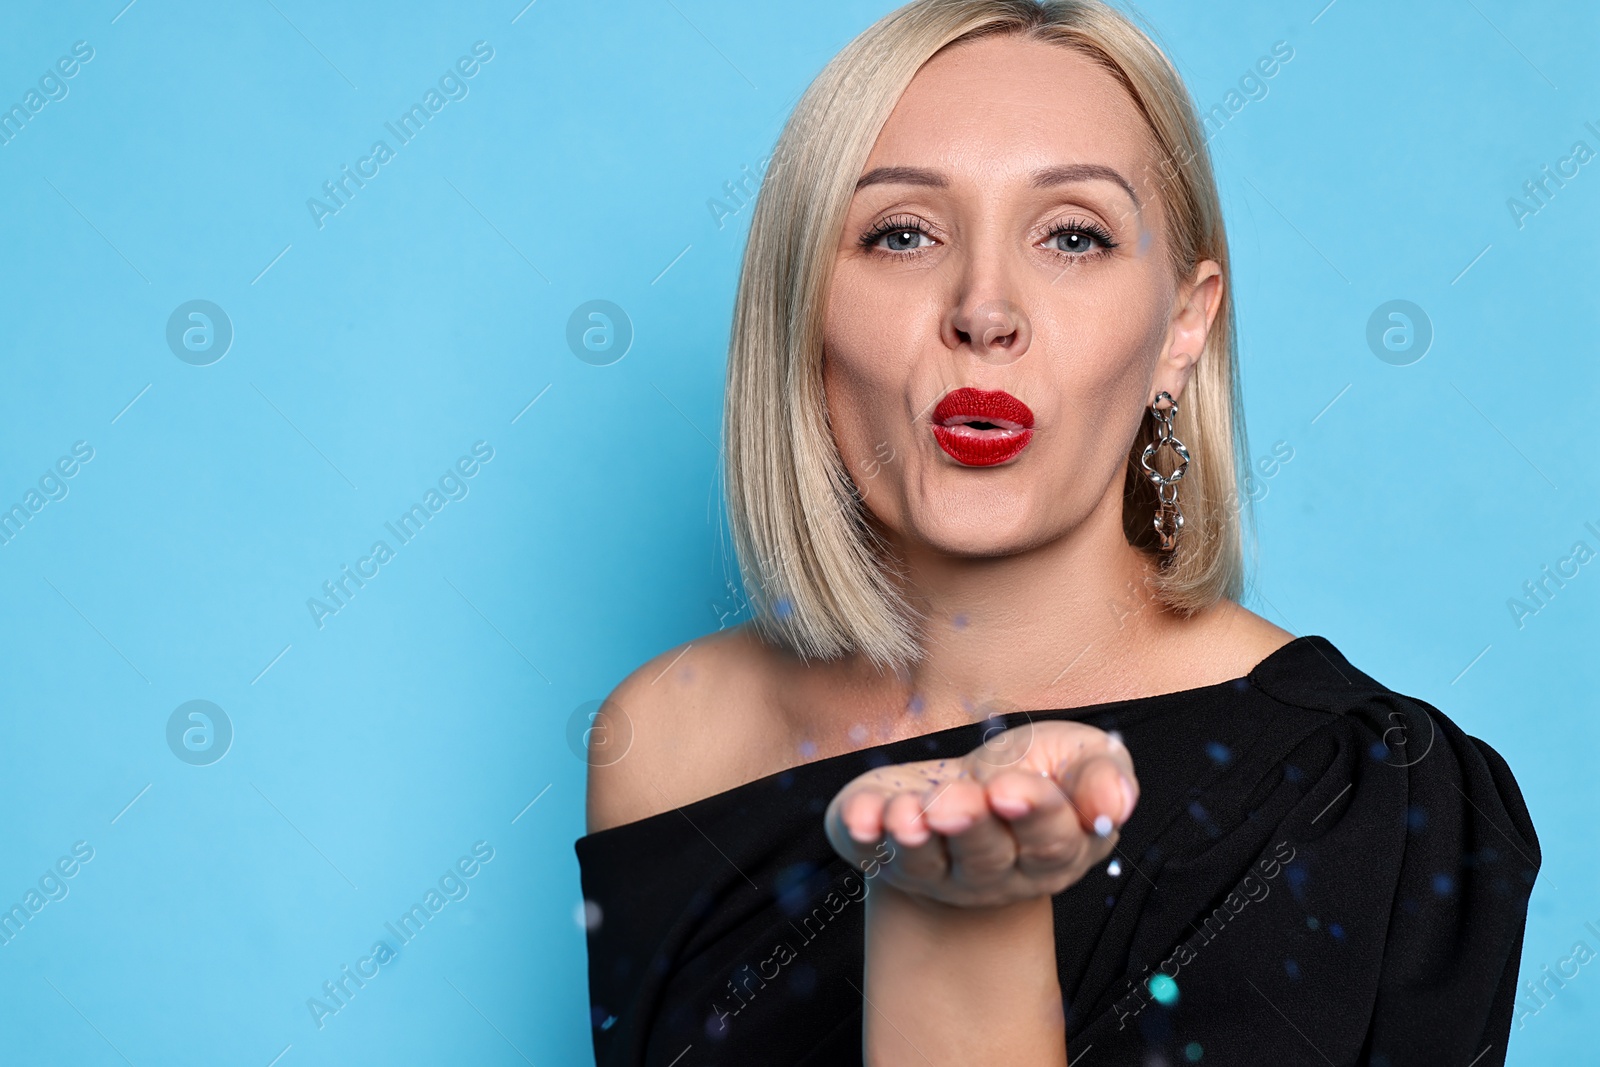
955, 805
1049, 838
983, 849
862, 814
1101, 792
919, 852
903, 819
1017, 794
1113, 747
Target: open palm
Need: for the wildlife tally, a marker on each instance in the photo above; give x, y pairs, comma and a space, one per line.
1023, 815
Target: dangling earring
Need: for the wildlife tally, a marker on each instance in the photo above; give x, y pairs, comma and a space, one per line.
1169, 520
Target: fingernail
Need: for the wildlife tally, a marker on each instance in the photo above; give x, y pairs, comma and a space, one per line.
956, 825
1127, 798
1011, 807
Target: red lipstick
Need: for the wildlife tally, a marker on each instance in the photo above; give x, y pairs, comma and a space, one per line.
980, 428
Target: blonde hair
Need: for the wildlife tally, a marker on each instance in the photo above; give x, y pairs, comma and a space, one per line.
819, 579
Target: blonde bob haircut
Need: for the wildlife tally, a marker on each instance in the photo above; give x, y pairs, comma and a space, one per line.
820, 580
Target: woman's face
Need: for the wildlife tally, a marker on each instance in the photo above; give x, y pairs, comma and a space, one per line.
1006, 237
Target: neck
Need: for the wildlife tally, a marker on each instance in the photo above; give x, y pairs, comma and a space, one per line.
1071, 622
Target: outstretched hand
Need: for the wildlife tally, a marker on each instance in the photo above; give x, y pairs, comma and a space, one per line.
1023, 815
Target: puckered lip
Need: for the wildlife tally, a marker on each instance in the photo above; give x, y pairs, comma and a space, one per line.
996, 407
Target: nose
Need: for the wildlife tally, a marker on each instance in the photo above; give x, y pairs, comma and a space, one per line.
994, 329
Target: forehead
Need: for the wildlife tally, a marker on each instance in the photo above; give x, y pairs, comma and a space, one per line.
1002, 108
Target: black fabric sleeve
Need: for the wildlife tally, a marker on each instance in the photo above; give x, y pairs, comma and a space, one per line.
1354, 893
1450, 964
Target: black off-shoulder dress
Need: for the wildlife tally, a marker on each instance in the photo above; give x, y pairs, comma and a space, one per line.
1320, 871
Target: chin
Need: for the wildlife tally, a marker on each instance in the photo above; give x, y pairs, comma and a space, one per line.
968, 524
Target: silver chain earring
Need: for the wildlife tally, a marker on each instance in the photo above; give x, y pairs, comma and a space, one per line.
1169, 519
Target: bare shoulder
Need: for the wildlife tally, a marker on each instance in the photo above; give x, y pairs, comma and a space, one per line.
1221, 643
687, 724
1236, 638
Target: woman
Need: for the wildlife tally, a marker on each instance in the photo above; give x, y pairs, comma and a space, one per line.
982, 451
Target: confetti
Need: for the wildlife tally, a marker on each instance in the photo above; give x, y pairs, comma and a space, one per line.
1164, 989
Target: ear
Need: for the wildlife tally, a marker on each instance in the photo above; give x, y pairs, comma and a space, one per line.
1194, 310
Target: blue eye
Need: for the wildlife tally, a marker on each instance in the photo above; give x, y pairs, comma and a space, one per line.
903, 240
1079, 238
901, 234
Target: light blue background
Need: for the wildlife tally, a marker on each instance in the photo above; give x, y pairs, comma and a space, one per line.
426, 315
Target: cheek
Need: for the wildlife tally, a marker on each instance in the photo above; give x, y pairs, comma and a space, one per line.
1118, 318
864, 371
1102, 344
852, 393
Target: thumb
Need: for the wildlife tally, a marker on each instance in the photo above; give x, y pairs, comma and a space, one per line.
1100, 789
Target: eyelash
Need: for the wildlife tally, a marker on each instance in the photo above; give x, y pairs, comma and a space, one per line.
1086, 228
909, 224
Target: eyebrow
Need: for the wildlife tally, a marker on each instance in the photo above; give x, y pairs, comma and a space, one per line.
1044, 179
